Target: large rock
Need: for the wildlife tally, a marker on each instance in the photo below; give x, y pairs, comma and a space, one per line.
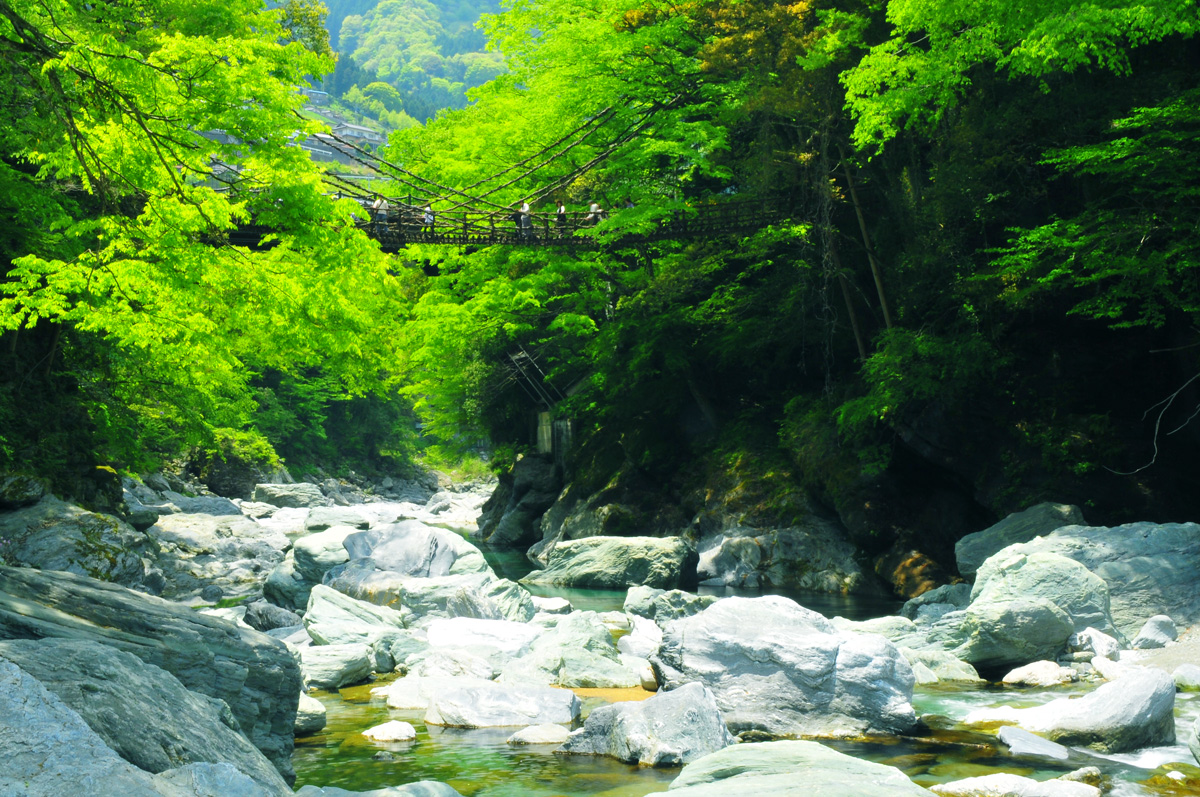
413, 692
333, 618
228, 552
972, 550
790, 769
285, 587
1004, 635
663, 606
1157, 632
618, 562
253, 673
498, 641
203, 779
411, 548
265, 616
310, 715
1132, 712
816, 556
55, 535
302, 495
489, 705
323, 518
479, 595
316, 553
51, 751
1010, 576
669, 729
1009, 785
577, 651
19, 489
335, 666
1149, 569
511, 516
141, 711
777, 667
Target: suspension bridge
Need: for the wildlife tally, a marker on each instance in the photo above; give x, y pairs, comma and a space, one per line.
431, 213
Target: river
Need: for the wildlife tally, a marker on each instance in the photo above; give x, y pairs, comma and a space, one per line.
478, 763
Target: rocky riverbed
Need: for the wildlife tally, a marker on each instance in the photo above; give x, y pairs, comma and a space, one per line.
241, 647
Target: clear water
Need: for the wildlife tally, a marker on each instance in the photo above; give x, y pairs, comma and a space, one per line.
478, 763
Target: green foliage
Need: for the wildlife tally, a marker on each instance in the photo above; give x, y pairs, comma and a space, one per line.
1131, 255
937, 50
909, 372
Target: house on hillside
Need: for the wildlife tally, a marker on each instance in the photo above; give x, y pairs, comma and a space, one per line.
314, 96
352, 132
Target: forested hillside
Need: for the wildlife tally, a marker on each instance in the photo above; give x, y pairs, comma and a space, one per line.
428, 53
987, 296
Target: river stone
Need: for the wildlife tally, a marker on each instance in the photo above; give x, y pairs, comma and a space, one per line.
413, 692
1187, 677
789, 769
540, 734
1150, 569
643, 640
777, 667
141, 711
498, 641
18, 490
333, 618
552, 605
301, 495
1096, 642
1009, 785
264, 616
394, 731
490, 705
203, 779
1064, 582
55, 535
310, 715
316, 553
663, 606
230, 554
669, 729
618, 562
51, 751
411, 548
1007, 634
1157, 632
253, 673
577, 652
439, 662
1041, 673
815, 556
327, 517
423, 788
1133, 712
936, 602
335, 666
1021, 742
938, 666
972, 550
479, 595
285, 587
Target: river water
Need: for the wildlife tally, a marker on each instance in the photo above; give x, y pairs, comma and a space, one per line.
478, 763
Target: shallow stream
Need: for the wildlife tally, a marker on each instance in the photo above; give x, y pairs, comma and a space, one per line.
478, 763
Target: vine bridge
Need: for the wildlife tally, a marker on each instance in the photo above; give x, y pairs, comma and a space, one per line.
438, 214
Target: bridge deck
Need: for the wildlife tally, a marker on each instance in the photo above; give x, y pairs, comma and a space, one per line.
403, 224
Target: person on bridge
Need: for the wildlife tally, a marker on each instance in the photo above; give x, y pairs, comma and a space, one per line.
560, 219
526, 220
379, 212
427, 219
595, 214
